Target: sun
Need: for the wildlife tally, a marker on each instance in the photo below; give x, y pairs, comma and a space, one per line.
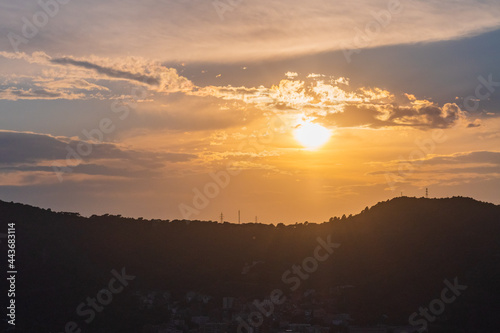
311, 136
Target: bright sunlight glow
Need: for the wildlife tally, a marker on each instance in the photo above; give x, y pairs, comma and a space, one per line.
311, 136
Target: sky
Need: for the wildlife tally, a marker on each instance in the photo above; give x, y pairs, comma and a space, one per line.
288, 111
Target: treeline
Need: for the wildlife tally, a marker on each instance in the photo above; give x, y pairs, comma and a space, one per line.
396, 254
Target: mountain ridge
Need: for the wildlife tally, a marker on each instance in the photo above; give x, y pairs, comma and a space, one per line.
4, 203
396, 255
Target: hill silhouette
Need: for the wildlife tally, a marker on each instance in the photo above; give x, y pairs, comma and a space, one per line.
392, 259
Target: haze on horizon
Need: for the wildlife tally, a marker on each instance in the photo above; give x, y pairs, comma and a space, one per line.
283, 110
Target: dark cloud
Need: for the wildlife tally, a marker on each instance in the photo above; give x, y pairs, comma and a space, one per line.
425, 117
428, 116
108, 71
30, 148
18, 147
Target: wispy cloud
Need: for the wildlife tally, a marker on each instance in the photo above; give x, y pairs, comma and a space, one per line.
23, 152
192, 31
71, 78
115, 73
446, 170
148, 72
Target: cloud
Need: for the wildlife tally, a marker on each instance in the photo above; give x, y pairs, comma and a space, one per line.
115, 73
14, 94
174, 30
142, 71
33, 152
444, 170
483, 157
86, 169
311, 95
426, 116
329, 99
52, 90
76, 84
333, 102
71, 78
37, 57
475, 123
464, 161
